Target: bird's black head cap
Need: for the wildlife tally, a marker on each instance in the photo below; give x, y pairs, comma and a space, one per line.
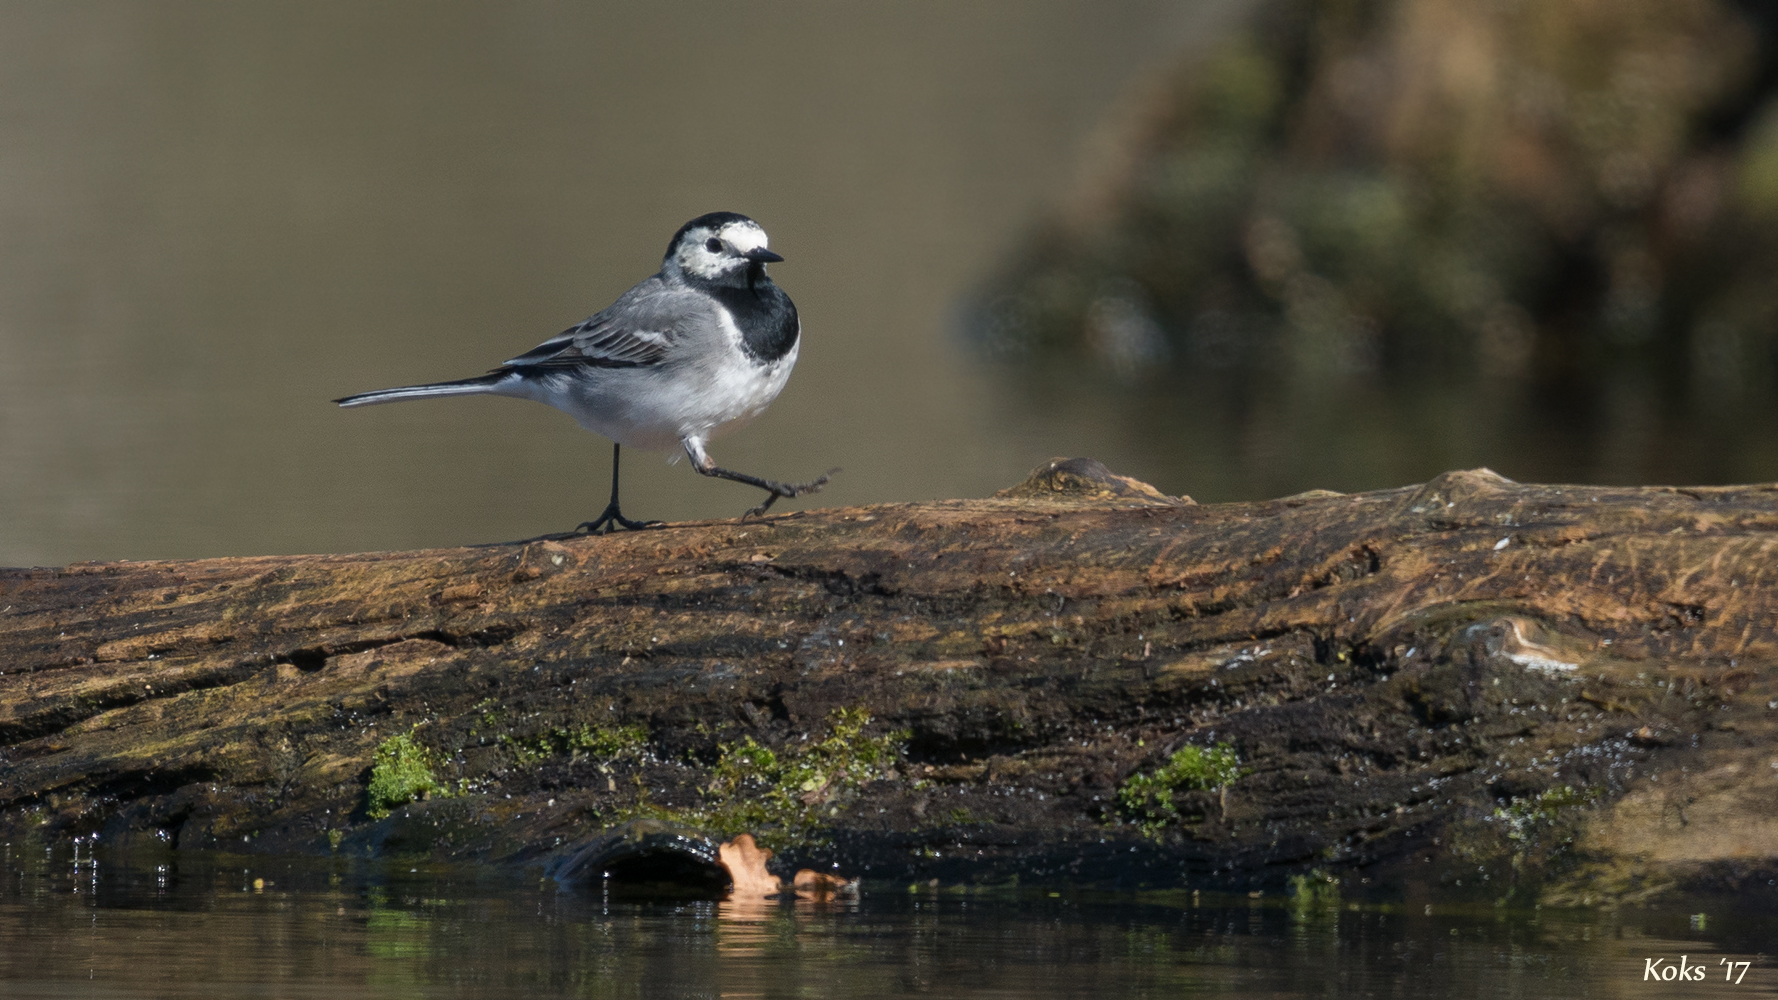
709, 220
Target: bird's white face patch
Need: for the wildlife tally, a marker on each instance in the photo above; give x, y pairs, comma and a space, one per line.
744, 236
734, 239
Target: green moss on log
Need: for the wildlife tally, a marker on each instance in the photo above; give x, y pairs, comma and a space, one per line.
401, 771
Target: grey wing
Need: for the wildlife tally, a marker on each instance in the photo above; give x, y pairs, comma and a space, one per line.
636, 331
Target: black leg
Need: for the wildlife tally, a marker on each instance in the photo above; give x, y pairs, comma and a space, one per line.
611, 518
773, 488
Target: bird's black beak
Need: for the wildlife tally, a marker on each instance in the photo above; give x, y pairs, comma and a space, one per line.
762, 256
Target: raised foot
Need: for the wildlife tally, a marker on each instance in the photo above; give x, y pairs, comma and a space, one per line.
612, 519
774, 490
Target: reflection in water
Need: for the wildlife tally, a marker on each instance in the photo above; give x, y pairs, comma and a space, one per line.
185, 925
746, 924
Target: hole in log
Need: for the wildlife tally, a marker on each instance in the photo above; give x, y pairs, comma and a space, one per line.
666, 873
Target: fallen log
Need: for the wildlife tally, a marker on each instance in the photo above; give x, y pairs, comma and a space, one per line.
1552, 692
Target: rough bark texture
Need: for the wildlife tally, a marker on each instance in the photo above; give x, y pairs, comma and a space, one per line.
1545, 690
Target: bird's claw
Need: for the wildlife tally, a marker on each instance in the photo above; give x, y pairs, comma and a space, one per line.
776, 490
612, 519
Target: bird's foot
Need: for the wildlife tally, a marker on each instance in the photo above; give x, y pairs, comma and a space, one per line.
612, 519
775, 489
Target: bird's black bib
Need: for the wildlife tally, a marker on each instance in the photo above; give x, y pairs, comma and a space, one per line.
765, 316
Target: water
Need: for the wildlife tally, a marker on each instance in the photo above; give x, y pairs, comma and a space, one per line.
183, 925
215, 217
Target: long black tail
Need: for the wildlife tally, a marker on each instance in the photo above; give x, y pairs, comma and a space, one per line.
481, 385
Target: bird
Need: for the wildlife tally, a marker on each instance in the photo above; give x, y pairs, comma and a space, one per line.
700, 348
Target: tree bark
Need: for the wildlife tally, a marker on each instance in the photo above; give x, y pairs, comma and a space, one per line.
1567, 689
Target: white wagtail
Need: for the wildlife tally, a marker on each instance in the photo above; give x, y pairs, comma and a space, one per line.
698, 349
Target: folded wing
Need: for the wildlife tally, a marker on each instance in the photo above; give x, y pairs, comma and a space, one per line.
636, 331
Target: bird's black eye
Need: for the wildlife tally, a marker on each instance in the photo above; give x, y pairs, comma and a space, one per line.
713, 245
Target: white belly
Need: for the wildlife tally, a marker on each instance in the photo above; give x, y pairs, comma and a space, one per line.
657, 408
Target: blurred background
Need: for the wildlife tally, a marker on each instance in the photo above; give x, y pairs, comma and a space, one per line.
1237, 248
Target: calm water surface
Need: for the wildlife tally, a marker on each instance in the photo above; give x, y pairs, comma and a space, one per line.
200, 926
216, 217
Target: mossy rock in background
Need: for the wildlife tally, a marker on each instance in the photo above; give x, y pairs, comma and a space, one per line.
1528, 216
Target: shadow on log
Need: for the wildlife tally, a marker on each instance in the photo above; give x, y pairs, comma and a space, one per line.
1557, 693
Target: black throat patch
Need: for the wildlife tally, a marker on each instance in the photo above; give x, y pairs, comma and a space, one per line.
764, 314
